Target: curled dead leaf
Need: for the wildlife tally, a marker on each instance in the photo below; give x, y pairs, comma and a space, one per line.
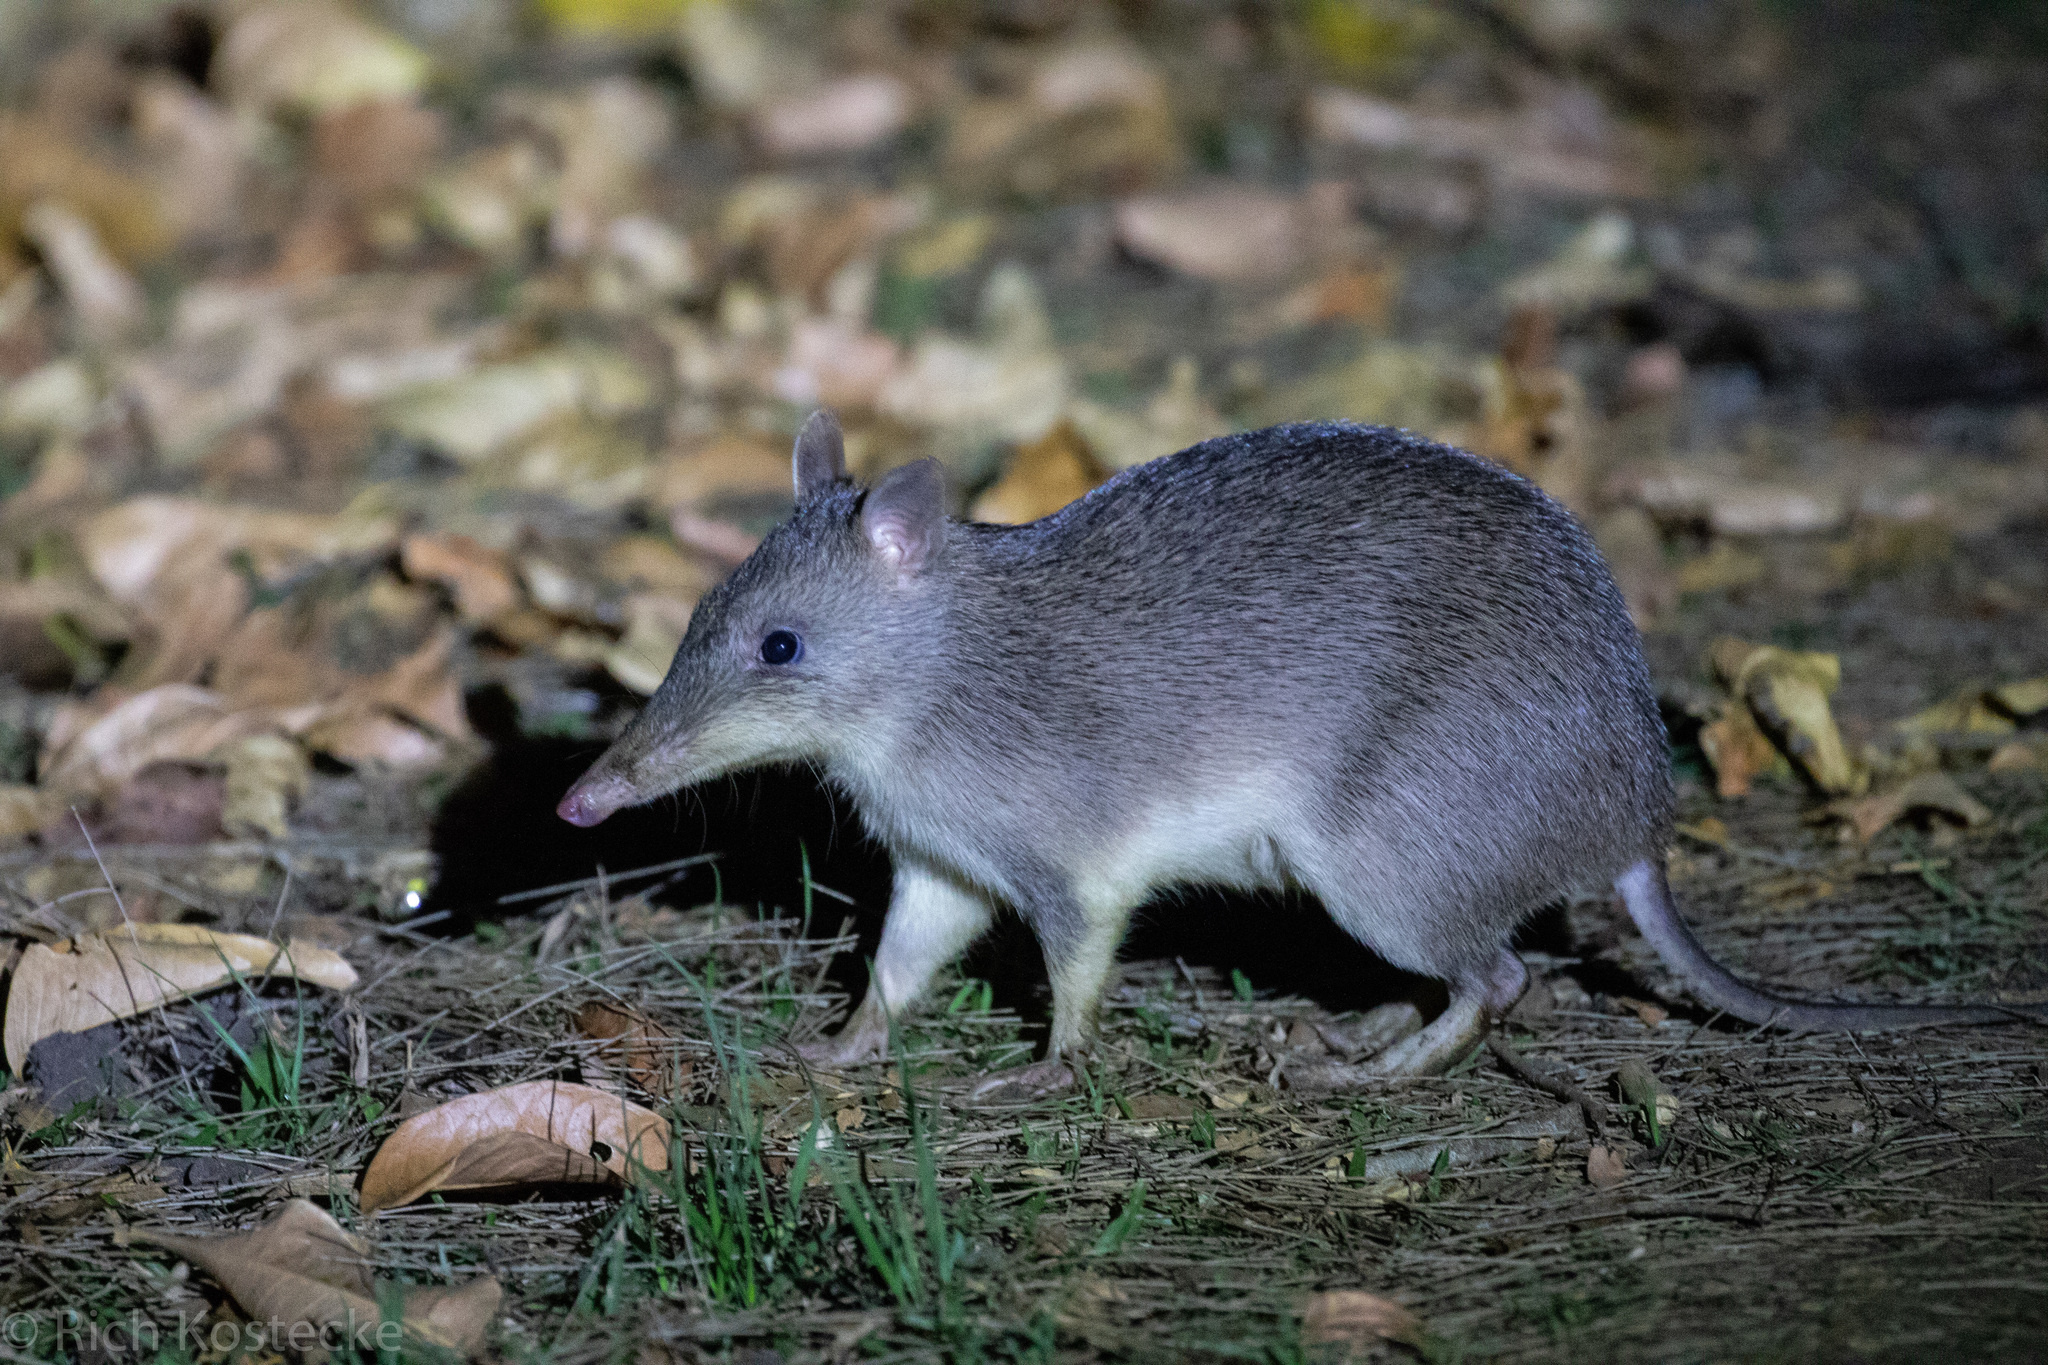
302, 1272
1358, 1318
1738, 749
85, 982
1935, 793
590, 1134
1787, 692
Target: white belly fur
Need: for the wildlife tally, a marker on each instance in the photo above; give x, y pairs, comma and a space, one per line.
1228, 839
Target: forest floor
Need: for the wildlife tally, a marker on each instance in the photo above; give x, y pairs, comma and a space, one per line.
1882, 1197
380, 387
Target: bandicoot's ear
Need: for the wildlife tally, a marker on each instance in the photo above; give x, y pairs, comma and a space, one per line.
819, 460
905, 516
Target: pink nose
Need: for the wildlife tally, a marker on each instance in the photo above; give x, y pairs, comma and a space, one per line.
589, 802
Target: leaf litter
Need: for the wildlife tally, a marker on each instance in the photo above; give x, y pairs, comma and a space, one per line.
387, 363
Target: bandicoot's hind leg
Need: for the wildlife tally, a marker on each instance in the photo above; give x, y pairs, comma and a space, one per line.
1080, 954
1477, 1000
931, 921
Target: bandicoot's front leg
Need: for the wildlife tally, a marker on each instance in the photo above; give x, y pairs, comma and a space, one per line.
932, 920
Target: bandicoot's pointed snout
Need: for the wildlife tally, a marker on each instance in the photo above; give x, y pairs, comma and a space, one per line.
594, 798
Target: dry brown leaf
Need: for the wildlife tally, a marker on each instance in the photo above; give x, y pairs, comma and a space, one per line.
1739, 751
2020, 755
1937, 793
1970, 712
1651, 1015
105, 298
433, 1150
1009, 385
357, 736
481, 579
1223, 234
1984, 711
837, 362
724, 470
167, 803
196, 152
39, 161
1357, 1318
85, 982
1094, 121
127, 547
1045, 476
847, 115
1605, 1166
654, 564
486, 411
89, 756
630, 1041
302, 1271
1787, 691
1724, 566
1742, 507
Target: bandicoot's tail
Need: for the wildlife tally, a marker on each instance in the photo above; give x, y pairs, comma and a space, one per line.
1648, 897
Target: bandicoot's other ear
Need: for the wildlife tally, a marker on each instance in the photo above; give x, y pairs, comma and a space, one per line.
905, 516
819, 460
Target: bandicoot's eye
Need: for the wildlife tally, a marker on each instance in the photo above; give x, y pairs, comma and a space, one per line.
781, 647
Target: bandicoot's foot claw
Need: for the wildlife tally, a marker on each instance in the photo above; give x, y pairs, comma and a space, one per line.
1036, 1081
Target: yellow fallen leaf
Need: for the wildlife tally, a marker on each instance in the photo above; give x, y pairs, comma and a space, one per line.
592, 1134
1936, 792
2023, 698
613, 18
1787, 691
1357, 1318
304, 1275
266, 773
313, 57
24, 809
95, 979
1968, 713
1724, 566
1045, 476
